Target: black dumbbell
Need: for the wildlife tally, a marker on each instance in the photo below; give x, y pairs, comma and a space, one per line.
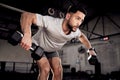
37, 52
92, 59
15, 38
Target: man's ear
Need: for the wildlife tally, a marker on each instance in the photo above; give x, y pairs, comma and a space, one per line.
67, 16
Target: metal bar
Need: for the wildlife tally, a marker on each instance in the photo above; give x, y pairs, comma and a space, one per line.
3, 29
113, 21
103, 26
92, 33
116, 34
12, 8
94, 26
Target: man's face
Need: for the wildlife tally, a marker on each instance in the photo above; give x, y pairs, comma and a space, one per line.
75, 20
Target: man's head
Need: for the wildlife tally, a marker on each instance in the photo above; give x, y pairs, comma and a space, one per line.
75, 16
74, 9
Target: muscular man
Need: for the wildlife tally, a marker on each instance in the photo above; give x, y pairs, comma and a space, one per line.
53, 33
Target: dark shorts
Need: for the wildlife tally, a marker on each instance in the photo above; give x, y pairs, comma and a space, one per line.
51, 54
41, 53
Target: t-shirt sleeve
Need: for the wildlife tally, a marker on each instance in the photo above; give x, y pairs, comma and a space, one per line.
40, 20
43, 21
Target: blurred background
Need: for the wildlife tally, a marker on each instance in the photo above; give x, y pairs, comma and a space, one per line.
101, 26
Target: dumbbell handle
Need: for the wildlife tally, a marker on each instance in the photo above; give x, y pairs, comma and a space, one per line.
89, 57
20, 33
31, 48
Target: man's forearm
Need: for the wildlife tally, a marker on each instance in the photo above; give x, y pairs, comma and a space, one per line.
26, 22
85, 41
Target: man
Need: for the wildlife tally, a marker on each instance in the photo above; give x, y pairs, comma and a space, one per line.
53, 33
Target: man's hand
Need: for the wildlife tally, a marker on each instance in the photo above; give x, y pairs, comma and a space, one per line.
92, 58
26, 42
92, 52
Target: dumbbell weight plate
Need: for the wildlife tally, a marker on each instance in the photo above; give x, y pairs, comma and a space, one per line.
15, 38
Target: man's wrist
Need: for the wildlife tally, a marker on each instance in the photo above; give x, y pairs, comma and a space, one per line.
90, 49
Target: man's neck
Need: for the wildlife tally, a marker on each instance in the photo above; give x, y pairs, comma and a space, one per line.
65, 28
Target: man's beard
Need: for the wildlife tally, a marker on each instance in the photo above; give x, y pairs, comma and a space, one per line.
70, 28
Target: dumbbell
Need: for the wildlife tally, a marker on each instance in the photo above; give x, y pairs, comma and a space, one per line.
92, 59
15, 38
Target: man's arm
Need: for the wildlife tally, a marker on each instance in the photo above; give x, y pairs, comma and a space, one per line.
26, 20
84, 40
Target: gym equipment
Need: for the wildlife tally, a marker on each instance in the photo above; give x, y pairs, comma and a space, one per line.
37, 52
92, 59
12, 8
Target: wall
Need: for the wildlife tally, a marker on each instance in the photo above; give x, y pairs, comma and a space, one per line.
13, 53
15, 56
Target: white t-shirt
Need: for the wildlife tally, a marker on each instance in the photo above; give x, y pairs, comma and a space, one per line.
50, 35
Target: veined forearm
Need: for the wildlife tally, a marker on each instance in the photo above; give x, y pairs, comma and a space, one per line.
26, 22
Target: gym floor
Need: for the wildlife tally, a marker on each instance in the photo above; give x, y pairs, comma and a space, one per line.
66, 76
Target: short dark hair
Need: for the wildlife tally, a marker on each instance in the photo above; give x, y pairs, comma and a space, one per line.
74, 9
